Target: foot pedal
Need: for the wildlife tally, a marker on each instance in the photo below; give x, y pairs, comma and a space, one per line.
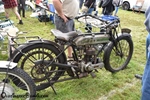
138, 76
82, 75
93, 75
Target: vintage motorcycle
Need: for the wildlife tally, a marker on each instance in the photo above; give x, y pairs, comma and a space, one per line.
46, 61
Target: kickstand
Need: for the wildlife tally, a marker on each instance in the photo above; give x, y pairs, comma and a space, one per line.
50, 83
53, 89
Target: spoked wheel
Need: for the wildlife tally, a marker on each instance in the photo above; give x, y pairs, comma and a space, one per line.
18, 85
117, 57
35, 62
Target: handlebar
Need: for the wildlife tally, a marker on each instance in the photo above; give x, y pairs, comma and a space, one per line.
107, 22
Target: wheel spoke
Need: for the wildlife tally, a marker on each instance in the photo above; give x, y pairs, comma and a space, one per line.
35, 64
117, 58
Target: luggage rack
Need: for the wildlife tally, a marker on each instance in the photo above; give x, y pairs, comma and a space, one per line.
14, 42
25, 39
9, 43
10, 37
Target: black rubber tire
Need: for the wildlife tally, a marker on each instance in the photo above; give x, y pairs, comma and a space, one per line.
111, 56
20, 79
43, 50
126, 6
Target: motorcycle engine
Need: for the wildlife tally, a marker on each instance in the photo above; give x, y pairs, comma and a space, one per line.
87, 58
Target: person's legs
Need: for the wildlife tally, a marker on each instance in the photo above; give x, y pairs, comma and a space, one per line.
17, 14
81, 3
90, 10
64, 27
146, 75
7, 11
70, 27
23, 12
147, 44
19, 11
116, 10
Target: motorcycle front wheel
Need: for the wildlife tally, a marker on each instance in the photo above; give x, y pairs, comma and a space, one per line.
118, 54
17, 86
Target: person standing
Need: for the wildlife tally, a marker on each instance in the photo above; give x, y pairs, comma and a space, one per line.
66, 11
11, 5
81, 3
108, 7
89, 6
116, 3
146, 74
21, 7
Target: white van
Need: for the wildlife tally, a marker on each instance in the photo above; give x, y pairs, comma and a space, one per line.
128, 4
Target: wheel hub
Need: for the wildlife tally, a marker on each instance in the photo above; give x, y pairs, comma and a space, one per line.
39, 69
8, 91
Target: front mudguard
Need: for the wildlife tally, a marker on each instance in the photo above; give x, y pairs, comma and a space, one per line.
125, 33
7, 64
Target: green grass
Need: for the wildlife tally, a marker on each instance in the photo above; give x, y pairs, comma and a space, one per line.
118, 86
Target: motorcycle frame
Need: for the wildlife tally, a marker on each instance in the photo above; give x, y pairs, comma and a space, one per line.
125, 32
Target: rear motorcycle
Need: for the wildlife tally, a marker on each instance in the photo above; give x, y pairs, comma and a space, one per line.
46, 62
15, 84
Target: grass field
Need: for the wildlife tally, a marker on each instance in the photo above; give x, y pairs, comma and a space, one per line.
106, 86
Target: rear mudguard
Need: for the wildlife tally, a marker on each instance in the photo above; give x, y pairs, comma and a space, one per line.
34, 42
7, 64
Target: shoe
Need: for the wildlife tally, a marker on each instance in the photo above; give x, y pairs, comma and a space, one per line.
70, 58
20, 22
138, 76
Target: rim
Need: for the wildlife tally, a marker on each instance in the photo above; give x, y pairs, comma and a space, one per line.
118, 59
35, 64
21, 88
126, 6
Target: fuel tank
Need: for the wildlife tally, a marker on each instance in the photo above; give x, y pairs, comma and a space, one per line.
89, 39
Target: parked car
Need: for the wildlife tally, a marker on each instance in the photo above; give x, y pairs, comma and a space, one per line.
128, 4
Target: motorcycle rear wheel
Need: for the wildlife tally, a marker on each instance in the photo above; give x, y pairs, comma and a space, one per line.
35, 60
118, 59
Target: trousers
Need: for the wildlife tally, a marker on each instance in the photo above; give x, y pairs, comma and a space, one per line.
146, 75
62, 26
